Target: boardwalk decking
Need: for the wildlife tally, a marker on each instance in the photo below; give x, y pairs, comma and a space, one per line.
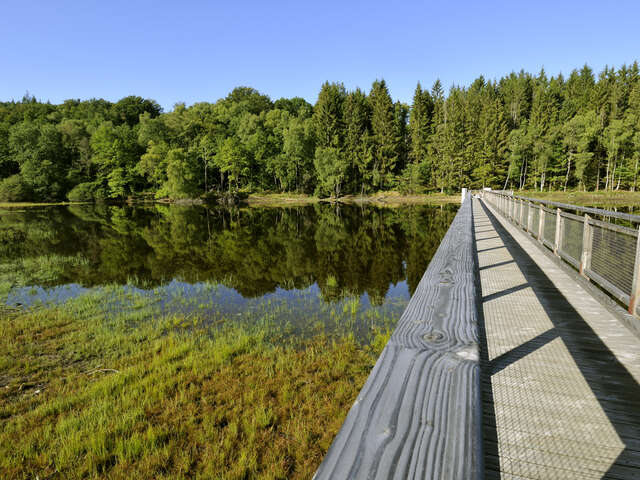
561, 374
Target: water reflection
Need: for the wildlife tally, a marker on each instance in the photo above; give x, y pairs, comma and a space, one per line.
303, 263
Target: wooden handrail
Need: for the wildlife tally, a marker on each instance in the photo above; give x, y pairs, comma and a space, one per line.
419, 412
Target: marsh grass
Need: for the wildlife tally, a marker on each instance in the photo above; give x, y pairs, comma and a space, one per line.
39, 270
84, 394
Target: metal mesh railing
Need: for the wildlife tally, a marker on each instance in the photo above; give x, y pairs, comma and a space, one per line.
535, 220
549, 227
571, 239
613, 255
604, 252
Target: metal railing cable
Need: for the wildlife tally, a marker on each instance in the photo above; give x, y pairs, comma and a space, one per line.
606, 253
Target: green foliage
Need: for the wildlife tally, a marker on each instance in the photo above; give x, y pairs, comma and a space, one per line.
420, 129
232, 161
14, 189
182, 176
42, 157
385, 140
358, 140
328, 116
522, 131
115, 153
83, 192
331, 168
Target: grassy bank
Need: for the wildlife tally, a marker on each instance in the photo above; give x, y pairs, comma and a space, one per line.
35, 204
595, 199
89, 395
292, 199
390, 198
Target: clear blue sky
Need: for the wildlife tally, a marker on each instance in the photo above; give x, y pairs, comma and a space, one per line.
199, 50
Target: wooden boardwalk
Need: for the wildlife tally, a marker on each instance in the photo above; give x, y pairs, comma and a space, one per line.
561, 374
505, 364
418, 414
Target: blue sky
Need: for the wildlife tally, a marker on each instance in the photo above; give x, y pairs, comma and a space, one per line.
198, 51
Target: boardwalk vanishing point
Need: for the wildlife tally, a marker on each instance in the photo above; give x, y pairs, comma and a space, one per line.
514, 359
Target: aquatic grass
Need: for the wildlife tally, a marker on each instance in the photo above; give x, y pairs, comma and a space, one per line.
38, 270
89, 395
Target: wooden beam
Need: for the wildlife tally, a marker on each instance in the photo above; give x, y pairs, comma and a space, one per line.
418, 415
557, 244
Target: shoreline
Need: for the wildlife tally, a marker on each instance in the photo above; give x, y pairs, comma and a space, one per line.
391, 198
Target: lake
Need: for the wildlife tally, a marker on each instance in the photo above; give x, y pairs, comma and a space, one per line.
327, 268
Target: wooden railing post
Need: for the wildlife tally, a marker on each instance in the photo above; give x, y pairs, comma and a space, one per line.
530, 217
558, 239
634, 298
541, 224
585, 261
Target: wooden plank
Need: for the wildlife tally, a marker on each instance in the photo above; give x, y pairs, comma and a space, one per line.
587, 245
418, 415
558, 238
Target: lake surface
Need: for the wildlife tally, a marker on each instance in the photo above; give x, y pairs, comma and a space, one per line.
325, 268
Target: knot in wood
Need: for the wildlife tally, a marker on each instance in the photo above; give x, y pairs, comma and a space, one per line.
433, 336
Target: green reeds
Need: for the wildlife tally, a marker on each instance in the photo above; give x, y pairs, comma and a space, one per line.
137, 394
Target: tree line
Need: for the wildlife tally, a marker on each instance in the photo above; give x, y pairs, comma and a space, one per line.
522, 131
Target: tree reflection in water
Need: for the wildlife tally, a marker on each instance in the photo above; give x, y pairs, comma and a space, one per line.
334, 253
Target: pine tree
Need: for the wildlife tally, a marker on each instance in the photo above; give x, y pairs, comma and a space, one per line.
436, 143
385, 142
420, 129
328, 120
357, 117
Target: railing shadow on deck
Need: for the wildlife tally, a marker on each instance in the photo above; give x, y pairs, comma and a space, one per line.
613, 386
489, 431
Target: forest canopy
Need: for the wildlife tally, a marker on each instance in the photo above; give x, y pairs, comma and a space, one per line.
521, 131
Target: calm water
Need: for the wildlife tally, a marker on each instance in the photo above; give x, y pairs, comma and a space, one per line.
327, 268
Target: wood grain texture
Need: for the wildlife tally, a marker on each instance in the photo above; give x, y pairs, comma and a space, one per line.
418, 415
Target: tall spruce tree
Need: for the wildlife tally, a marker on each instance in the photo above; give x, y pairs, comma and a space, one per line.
328, 120
385, 141
420, 125
357, 117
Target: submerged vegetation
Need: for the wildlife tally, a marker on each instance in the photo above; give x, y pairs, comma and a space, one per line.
524, 130
88, 395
